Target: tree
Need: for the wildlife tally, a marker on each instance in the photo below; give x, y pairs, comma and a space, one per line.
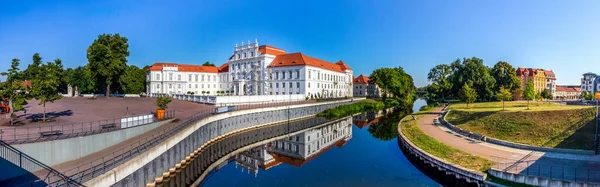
546, 94
529, 93
45, 85
207, 63
132, 81
33, 68
467, 94
472, 71
395, 81
584, 95
503, 95
107, 58
14, 89
80, 78
538, 97
441, 85
506, 76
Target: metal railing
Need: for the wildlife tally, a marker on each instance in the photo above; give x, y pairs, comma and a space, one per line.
94, 168
549, 171
19, 135
43, 174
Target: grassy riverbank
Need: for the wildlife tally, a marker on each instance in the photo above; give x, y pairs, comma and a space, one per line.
557, 126
358, 107
513, 106
411, 130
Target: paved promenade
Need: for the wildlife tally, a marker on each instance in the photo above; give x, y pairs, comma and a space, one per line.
545, 164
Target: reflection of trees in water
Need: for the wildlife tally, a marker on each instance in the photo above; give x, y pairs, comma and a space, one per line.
387, 128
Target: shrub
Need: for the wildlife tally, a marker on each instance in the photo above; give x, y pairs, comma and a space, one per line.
162, 102
346, 110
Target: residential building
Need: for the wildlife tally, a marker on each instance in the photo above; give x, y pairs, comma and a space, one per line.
360, 86
364, 87
587, 82
255, 70
536, 76
550, 81
568, 93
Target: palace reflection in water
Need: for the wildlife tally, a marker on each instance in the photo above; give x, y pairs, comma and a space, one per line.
296, 150
359, 150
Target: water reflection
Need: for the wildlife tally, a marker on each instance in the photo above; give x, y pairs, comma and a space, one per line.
297, 149
321, 154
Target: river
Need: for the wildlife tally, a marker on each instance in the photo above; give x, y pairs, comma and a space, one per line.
354, 151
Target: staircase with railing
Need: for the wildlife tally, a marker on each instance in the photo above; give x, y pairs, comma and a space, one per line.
20, 170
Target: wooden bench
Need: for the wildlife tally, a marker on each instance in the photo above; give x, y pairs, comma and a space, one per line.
108, 126
50, 133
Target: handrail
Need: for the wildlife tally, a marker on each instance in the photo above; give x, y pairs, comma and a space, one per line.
15, 135
85, 172
35, 166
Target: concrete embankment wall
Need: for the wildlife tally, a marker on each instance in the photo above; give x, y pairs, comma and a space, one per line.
157, 160
62, 150
460, 172
507, 143
537, 181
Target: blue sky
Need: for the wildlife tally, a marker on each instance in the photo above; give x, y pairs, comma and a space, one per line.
562, 36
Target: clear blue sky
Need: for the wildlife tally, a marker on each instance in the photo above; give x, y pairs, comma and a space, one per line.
562, 36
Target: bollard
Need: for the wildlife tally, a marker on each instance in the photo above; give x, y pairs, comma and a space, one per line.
166, 179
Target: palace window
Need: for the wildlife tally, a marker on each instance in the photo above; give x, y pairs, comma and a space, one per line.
309, 84
158, 86
196, 77
190, 78
179, 77
208, 77
290, 77
170, 76
276, 85
189, 85
179, 86
283, 85
196, 86
291, 85
309, 74
170, 86
202, 78
276, 75
297, 74
283, 75
157, 76
251, 53
214, 78
297, 85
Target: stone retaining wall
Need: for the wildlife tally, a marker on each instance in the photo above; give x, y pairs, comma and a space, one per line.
537, 181
476, 136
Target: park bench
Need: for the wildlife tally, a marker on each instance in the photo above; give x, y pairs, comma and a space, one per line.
50, 133
108, 126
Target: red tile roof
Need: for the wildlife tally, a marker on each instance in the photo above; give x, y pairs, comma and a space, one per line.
224, 68
549, 74
297, 59
265, 49
363, 124
521, 71
361, 79
183, 67
568, 89
299, 162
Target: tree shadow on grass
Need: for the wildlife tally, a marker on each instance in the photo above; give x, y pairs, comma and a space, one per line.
583, 138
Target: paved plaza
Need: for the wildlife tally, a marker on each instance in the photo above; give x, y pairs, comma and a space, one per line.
78, 110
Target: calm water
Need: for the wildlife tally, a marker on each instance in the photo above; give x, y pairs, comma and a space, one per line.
363, 152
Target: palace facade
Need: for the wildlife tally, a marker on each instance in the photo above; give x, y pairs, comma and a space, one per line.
254, 70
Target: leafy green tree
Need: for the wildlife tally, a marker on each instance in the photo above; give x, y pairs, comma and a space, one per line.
207, 63
467, 94
503, 95
538, 97
45, 85
387, 127
80, 78
33, 68
132, 81
107, 59
546, 94
506, 76
584, 95
395, 81
439, 76
472, 71
529, 93
13, 89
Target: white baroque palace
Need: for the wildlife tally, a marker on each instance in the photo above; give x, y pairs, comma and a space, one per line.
254, 70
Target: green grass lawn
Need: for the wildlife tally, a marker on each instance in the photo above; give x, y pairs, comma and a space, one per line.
513, 106
411, 130
557, 126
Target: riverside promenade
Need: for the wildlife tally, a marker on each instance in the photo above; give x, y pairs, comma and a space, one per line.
567, 167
